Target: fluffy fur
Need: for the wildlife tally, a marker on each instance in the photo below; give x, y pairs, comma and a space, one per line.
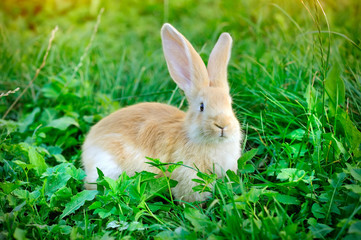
207, 136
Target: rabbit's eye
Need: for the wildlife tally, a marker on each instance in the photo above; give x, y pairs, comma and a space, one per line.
201, 107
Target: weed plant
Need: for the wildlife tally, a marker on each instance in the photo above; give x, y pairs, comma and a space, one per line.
296, 86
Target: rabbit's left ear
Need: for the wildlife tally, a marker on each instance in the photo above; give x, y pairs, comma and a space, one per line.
184, 63
218, 62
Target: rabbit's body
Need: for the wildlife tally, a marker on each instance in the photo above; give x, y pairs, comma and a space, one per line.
207, 136
156, 130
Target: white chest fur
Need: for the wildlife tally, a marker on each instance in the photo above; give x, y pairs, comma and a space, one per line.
220, 157
225, 158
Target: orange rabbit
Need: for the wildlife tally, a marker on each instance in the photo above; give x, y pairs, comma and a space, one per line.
207, 136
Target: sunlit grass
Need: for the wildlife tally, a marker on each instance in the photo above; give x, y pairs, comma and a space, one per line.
300, 173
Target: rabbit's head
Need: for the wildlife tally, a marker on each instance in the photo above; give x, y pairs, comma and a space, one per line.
210, 118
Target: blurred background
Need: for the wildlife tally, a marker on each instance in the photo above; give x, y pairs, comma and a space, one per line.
280, 48
296, 87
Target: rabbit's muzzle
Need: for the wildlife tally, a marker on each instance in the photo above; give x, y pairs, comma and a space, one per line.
222, 129
221, 126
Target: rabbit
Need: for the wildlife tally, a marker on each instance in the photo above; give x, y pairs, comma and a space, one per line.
207, 136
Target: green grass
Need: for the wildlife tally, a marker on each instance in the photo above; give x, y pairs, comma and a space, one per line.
296, 86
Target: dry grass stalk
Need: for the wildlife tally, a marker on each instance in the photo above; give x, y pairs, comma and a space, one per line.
95, 30
9, 92
36, 73
87, 48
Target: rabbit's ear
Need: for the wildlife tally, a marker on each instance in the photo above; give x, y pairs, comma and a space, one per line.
218, 62
184, 63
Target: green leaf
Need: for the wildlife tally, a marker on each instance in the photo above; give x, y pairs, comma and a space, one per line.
57, 177
157, 186
174, 166
154, 207
156, 163
355, 172
20, 234
89, 118
355, 228
201, 188
198, 220
353, 135
63, 194
249, 168
178, 233
296, 134
19, 207
313, 101
198, 181
24, 165
8, 187
136, 226
318, 211
134, 189
290, 174
77, 201
95, 205
10, 126
295, 149
208, 178
62, 229
320, 230
339, 145
335, 88
55, 182
285, 199
112, 183
275, 168
113, 224
232, 176
337, 179
21, 194
76, 173
247, 156
28, 120
354, 188
254, 194
26, 195
52, 89
312, 221
35, 158
63, 123
104, 213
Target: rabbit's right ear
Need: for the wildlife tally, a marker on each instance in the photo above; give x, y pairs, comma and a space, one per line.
184, 63
218, 62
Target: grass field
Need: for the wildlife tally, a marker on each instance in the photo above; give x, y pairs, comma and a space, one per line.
295, 78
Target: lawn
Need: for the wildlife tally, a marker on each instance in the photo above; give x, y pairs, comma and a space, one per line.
295, 79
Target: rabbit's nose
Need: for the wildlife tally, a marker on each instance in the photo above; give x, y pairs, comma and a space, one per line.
221, 127
221, 122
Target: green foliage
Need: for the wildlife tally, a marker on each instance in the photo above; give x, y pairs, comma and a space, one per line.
77, 201
295, 88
